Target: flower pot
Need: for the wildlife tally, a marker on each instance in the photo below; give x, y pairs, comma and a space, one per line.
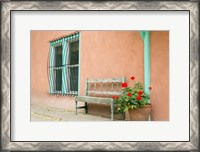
139, 114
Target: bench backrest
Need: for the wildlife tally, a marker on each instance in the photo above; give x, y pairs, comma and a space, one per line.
104, 86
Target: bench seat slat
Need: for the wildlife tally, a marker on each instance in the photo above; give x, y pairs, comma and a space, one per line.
104, 93
90, 99
109, 80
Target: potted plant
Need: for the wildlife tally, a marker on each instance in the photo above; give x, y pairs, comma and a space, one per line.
133, 102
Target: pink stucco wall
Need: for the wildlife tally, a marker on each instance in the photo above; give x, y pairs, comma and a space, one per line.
103, 54
160, 75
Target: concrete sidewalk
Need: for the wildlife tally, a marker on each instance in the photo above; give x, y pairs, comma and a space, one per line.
44, 113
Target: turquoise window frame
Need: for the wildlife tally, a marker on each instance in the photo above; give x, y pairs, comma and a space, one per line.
65, 41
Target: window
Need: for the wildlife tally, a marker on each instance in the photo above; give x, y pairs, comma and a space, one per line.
64, 65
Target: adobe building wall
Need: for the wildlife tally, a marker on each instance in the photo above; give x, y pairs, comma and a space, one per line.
104, 54
160, 75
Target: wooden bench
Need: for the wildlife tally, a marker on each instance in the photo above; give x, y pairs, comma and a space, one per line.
100, 91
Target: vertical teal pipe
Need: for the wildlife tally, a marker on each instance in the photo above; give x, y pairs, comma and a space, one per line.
147, 61
147, 64
146, 38
79, 62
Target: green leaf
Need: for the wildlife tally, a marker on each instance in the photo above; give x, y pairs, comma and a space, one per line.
126, 109
135, 106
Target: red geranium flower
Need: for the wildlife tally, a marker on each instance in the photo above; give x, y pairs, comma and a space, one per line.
150, 88
115, 97
132, 78
139, 98
140, 92
124, 85
129, 94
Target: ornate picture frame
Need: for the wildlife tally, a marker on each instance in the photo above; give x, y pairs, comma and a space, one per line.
7, 7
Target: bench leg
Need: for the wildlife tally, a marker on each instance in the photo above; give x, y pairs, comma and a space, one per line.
86, 108
76, 107
112, 111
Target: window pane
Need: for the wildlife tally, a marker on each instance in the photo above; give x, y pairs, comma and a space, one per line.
58, 79
74, 79
74, 46
58, 72
58, 56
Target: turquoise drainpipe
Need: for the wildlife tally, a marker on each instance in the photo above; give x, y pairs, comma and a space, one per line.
146, 39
